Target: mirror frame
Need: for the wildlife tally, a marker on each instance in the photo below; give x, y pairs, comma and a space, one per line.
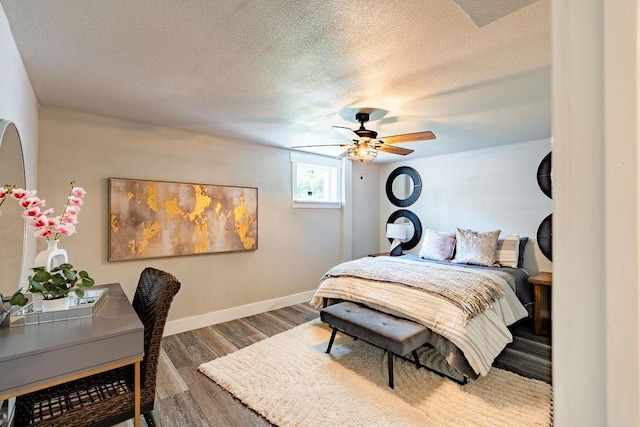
417, 227
415, 193
544, 176
5, 127
545, 237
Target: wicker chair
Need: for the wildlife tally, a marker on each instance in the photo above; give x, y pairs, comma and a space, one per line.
107, 398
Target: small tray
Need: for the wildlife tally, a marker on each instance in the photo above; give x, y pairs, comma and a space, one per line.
79, 307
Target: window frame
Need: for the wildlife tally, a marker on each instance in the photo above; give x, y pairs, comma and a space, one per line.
325, 162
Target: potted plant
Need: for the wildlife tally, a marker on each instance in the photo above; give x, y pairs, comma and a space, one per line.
55, 284
58, 282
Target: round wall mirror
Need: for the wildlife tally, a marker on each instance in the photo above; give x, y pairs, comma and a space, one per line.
403, 186
544, 176
402, 216
12, 226
545, 237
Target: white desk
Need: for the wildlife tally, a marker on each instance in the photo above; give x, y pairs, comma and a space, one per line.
38, 356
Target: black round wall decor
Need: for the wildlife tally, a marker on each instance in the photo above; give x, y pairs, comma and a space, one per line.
544, 176
544, 237
417, 227
415, 192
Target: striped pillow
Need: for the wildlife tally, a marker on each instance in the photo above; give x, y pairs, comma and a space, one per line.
507, 251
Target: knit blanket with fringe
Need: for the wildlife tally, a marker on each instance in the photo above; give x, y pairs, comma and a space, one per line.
470, 290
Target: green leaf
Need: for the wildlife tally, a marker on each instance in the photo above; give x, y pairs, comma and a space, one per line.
19, 299
41, 276
58, 281
35, 285
79, 292
69, 274
87, 282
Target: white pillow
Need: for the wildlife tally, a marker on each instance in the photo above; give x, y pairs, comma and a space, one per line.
476, 248
437, 246
507, 251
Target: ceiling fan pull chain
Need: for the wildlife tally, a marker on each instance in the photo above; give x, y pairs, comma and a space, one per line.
361, 168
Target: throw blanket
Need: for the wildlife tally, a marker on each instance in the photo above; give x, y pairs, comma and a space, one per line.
473, 292
480, 338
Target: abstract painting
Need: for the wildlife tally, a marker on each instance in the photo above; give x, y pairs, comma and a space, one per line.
152, 219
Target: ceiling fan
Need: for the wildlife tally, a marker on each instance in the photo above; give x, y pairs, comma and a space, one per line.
364, 144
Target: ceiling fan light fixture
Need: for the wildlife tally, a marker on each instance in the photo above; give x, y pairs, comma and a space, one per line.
362, 152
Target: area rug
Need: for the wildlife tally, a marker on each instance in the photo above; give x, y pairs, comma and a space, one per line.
291, 381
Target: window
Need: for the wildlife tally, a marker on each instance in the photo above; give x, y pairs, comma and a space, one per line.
316, 181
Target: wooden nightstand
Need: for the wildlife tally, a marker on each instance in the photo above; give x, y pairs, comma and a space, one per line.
380, 254
544, 278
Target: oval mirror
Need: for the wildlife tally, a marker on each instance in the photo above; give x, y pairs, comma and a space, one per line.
12, 226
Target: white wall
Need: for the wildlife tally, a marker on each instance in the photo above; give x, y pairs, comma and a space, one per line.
18, 104
366, 194
295, 246
488, 189
596, 331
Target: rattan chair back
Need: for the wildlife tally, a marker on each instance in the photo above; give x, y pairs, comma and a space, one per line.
107, 398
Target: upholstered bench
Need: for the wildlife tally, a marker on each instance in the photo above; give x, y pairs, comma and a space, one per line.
395, 335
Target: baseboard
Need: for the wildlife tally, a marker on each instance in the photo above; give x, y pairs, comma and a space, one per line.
215, 317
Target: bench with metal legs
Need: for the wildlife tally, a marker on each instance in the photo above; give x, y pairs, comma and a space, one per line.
394, 335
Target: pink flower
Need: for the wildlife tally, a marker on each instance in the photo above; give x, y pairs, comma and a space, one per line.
31, 212
73, 210
43, 232
66, 229
19, 193
69, 219
31, 201
40, 221
75, 201
78, 192
47, 226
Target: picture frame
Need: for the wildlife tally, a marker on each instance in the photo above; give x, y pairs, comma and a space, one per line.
154, 219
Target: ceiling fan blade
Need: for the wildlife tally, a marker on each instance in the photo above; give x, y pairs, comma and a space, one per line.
322, 145
395, 150
347, 133
408, 137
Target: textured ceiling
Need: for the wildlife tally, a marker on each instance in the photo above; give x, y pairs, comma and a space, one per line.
283, 72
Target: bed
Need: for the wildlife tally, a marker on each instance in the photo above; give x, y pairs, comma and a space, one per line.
468, 308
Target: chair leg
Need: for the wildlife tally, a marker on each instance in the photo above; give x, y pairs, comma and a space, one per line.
148, 417
390, 367
333, 336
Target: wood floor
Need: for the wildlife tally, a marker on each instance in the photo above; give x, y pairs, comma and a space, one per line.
528, 355
185, 397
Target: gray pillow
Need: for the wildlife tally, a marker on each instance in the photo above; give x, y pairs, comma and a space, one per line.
476, 248
523, 244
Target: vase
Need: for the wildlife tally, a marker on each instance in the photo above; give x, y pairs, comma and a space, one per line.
55, 304
52, 256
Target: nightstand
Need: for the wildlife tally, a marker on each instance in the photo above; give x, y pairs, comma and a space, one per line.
544, 278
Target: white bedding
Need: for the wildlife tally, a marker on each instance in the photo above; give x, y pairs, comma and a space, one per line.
481, 339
